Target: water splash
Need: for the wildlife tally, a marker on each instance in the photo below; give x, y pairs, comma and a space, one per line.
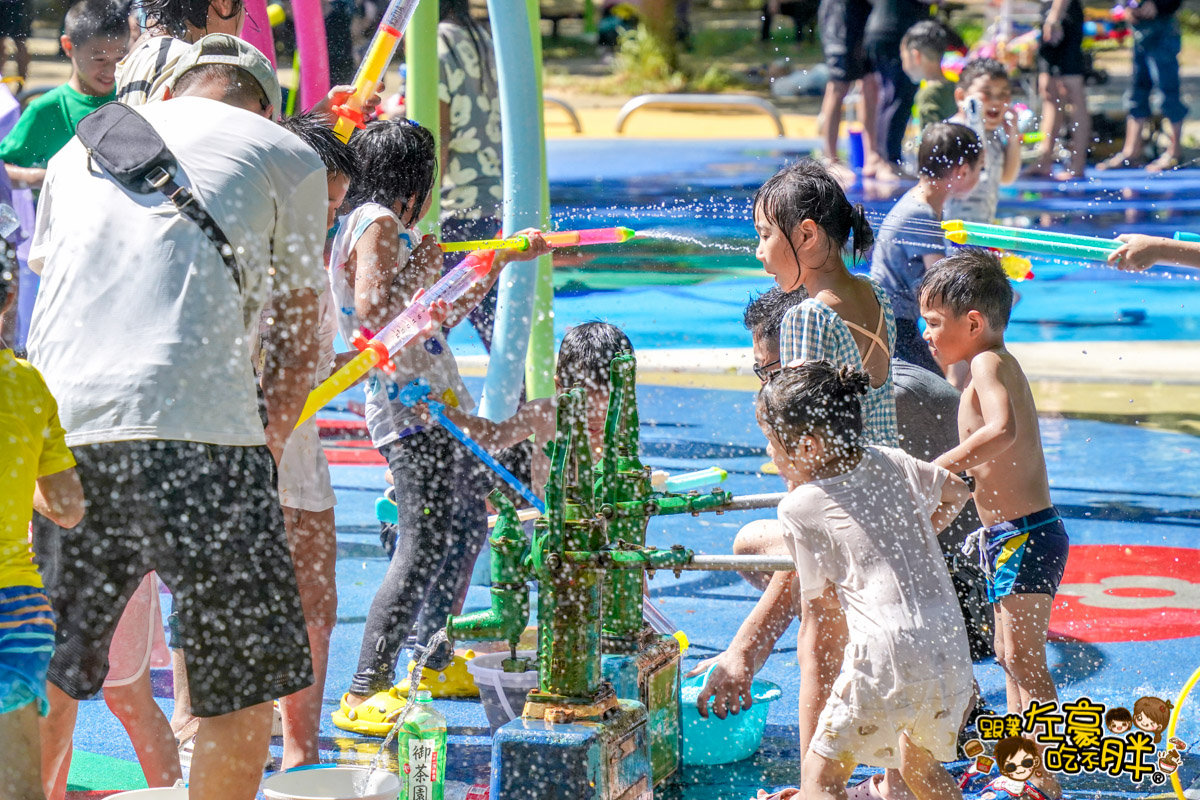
707, 244
363, 783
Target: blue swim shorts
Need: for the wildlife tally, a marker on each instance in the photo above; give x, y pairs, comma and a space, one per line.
26, 644
1023, 556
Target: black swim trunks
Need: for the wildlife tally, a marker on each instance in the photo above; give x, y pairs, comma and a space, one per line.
207, 519
1065, 58
842, 25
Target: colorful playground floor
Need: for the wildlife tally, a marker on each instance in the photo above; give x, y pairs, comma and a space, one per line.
1118, 391
1127, 625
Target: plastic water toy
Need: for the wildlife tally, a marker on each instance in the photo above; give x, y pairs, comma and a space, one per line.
1187, 236
1023, 240
1017, 268
952, 65
1060, 249
379, 349
418, 392
374, 65
700, 479
599, 664
578, 238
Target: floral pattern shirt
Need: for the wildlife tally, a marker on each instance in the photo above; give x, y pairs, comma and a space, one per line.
471, 181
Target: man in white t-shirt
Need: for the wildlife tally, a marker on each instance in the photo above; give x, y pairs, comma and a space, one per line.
145, 338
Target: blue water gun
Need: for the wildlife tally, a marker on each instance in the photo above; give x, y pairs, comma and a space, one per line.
418, 392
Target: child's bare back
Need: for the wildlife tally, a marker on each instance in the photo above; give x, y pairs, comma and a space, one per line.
1012, 483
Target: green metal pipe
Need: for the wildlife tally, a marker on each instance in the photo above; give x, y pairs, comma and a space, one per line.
506, 618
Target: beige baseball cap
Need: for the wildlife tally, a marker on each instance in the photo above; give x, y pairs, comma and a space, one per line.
221, 48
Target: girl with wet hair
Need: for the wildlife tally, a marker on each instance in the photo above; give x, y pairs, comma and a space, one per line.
861, 525
378, 261
808, 231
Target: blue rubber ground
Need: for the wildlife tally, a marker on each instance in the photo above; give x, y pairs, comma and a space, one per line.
1155, 507
1128, 494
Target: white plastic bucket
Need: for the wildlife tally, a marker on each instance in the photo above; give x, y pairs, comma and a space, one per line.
329, 783
503, 693
170, 793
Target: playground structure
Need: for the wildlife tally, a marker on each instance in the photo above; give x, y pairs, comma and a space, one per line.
604, 721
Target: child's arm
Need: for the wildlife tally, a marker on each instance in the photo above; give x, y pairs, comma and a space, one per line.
59, 497
531, 419
733, 674
999, 429
819, 650
1012, 151
381, 282
25, 177
954, 496
291, 352
474, 296
1142, 252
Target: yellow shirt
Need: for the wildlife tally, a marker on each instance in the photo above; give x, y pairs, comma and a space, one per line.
31, 447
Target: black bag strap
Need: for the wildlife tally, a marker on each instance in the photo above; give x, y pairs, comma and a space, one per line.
185, 201
128, 148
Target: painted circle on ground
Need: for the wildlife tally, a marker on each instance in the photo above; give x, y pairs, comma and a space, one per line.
1120, 593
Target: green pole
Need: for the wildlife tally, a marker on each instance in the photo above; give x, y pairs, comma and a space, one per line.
421, 89
539, 361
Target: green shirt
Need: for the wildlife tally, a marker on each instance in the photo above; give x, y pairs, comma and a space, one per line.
935, 102
46, 125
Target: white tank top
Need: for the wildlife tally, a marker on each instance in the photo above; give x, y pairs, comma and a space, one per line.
387, 418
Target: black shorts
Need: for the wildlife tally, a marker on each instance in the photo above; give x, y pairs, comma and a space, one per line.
1065, 58
843, 25
16, 19
207, 519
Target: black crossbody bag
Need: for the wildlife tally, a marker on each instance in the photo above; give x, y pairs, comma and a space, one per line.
128, 148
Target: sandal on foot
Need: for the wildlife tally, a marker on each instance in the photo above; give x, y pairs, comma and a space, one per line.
375, 717
453, 681
1163, 163
1119, 161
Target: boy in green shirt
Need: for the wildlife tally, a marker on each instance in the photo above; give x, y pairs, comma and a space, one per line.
921, 52
96, 38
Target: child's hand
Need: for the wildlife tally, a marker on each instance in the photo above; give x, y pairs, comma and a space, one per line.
728, 684
339, 95
1052, 30
537, 247
1138, 253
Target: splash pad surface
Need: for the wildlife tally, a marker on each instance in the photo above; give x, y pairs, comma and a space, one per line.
1127, 623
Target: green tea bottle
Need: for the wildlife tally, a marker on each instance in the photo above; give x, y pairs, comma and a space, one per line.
421, 747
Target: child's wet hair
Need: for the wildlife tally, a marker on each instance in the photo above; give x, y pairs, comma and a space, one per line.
397, 161
89, 19
312, 129
805, 190
815, 397
585, 354
764, 313
978, 68
176, 15
971, 279
928, 37
945, 146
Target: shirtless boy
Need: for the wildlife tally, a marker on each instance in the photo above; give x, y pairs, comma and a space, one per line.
965, 301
